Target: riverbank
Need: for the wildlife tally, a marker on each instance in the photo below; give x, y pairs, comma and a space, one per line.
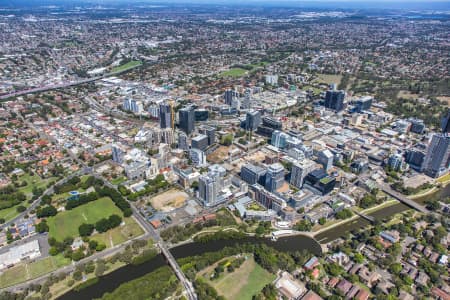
354, 217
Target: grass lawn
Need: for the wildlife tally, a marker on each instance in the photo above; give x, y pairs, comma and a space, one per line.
244, 282
13, 276
118, 180
234, 72
119, 234
11, 212
126, 66
41, 267
33, 181
328, 78
66, 223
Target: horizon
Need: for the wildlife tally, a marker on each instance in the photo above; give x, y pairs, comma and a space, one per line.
321, 4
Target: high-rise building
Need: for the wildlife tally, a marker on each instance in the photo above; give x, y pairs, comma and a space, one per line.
396, 161
300, 170
272, 123
335, 100
200, 142
210, 132
208, 190
417, 126
187, 117
198, 157
182, 141
445, 123
272, 79
211, 184
201, 115
279, 139
229, 96
252, 120
436, 161
253, 174
274, 177
133, 105
415, 157
117, 153
362, 104
166, 115
325, 158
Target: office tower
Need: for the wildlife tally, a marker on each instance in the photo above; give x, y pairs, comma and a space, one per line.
335, 100
272, 79
296, 154
362, 104
279, 139
126, 105
274, 177
252, 120
253, 174
210, 132
117, 153
201, 115
208, 190
153, 111
166, 115
182, 141
417, 126
132, 105
415, 157
272, 123
436, 161
395, 161
445, 123
300, 170
200, 142
247, 102
325, 158
229, 96
198, 157
187, 117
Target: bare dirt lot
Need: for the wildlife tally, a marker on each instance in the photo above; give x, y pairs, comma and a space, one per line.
219, 155
169, 200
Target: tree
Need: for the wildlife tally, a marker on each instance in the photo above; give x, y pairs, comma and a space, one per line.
359, 258
93, 244
42, 227
102, 225
322, 221
101, 268
77, 275
85, 229
46, 211
395, 268
21, 208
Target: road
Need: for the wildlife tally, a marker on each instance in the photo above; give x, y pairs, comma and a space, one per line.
411, 203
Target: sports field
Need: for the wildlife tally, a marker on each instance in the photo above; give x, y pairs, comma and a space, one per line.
234, 72
65, 224
128, 65
243, 283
